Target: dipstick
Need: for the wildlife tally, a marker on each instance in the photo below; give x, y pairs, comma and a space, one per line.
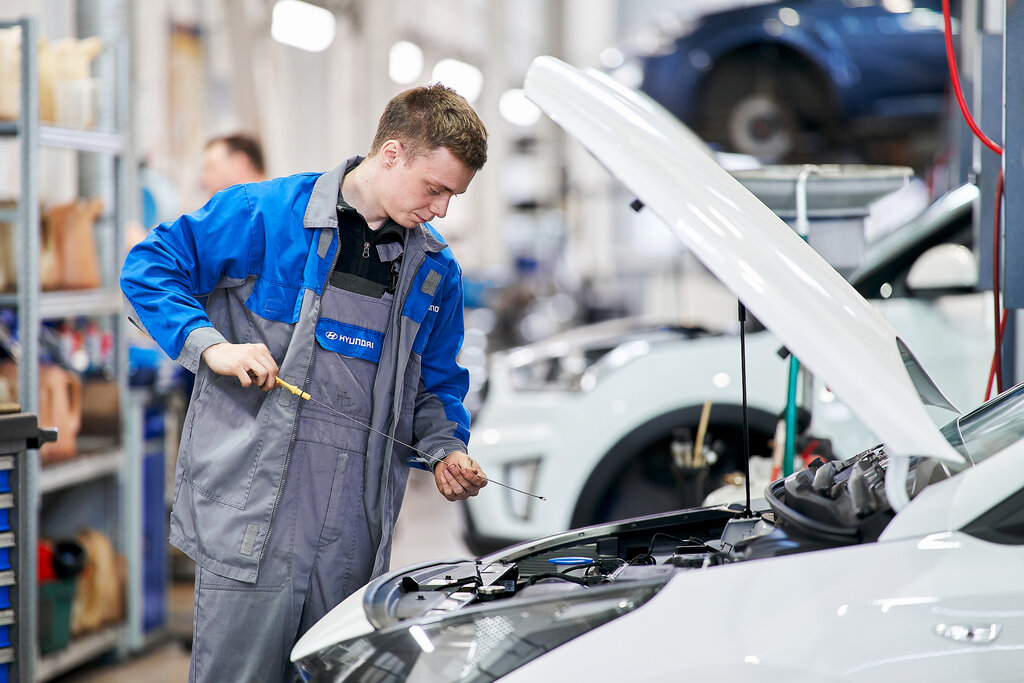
302, 394
292, 388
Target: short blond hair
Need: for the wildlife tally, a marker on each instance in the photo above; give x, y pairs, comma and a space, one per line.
432, 116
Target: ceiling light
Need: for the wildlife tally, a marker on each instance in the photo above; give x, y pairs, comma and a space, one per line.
461, 77
516, 109
302, 25
405, 62
612, 58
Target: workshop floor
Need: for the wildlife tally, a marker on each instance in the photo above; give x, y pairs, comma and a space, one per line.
428, 528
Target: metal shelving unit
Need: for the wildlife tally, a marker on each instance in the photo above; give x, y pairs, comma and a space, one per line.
53, 305
83, 469
114, 463
82, 649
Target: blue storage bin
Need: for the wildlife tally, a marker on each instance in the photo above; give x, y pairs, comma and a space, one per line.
154, 542
5, 519
5, 481
153, 424
5, 636
5, 559
5, 673
5, 597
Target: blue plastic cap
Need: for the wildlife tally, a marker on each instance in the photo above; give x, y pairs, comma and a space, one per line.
571, 560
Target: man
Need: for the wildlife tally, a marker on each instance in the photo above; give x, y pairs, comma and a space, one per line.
336, 283
229, 160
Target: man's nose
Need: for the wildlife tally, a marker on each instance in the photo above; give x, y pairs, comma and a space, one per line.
440, 206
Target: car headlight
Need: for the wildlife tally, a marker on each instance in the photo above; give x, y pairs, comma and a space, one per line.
575, 370
478, 645
521, 474
529, 371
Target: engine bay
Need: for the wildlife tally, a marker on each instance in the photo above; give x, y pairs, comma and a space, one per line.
827, 505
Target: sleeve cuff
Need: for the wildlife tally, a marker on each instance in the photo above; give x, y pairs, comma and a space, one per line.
198, 340
442, 452
420, 461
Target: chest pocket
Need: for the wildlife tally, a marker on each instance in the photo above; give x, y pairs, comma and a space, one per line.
352, 324
275, 301
423, 304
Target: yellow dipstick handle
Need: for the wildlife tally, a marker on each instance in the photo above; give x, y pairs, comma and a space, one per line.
292, 388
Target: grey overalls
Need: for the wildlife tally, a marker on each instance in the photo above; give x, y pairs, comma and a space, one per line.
320, 549
281, 504
341, 485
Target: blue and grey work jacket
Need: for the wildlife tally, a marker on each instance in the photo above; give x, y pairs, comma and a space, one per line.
262, 253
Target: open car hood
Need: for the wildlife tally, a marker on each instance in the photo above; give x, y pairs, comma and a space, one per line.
792, 290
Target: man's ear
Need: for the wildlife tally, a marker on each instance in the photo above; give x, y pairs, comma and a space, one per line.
390, 153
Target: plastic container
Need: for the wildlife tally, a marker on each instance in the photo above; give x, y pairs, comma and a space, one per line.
44, 562
55, 600
68, 559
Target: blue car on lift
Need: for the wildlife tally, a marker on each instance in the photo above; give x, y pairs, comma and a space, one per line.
784, 81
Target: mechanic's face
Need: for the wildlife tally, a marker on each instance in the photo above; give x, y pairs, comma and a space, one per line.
218, 168
420, 189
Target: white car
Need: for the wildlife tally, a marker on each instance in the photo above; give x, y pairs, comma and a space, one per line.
589, 418
900, 563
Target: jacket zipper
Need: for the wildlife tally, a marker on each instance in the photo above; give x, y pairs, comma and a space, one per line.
295, 424
392, 417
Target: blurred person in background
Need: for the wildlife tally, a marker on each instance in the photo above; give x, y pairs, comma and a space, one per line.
232, 159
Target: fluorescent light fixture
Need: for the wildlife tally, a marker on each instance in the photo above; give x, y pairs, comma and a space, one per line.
516, 109
461, 77
302, 25
405, 62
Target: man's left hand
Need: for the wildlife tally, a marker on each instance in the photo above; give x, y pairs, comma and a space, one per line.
459, 476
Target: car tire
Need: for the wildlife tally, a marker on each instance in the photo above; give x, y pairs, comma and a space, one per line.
635, 477
771, 106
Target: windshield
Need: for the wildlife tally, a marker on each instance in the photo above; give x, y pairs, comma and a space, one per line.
990, 428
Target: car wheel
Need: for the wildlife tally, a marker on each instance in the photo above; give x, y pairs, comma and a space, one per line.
640, 476
768, 105
761, 126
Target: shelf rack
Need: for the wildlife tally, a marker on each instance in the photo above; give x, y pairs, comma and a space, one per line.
84, 468
117, 463
83, 649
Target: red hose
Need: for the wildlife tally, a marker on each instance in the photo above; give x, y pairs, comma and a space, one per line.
992, 370
955, 75
997, 356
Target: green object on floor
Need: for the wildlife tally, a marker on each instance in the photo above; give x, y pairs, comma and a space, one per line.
55, 598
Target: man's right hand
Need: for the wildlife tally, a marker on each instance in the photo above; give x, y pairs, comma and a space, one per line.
248, 362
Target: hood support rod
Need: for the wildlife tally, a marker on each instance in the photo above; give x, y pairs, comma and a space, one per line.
742, 315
